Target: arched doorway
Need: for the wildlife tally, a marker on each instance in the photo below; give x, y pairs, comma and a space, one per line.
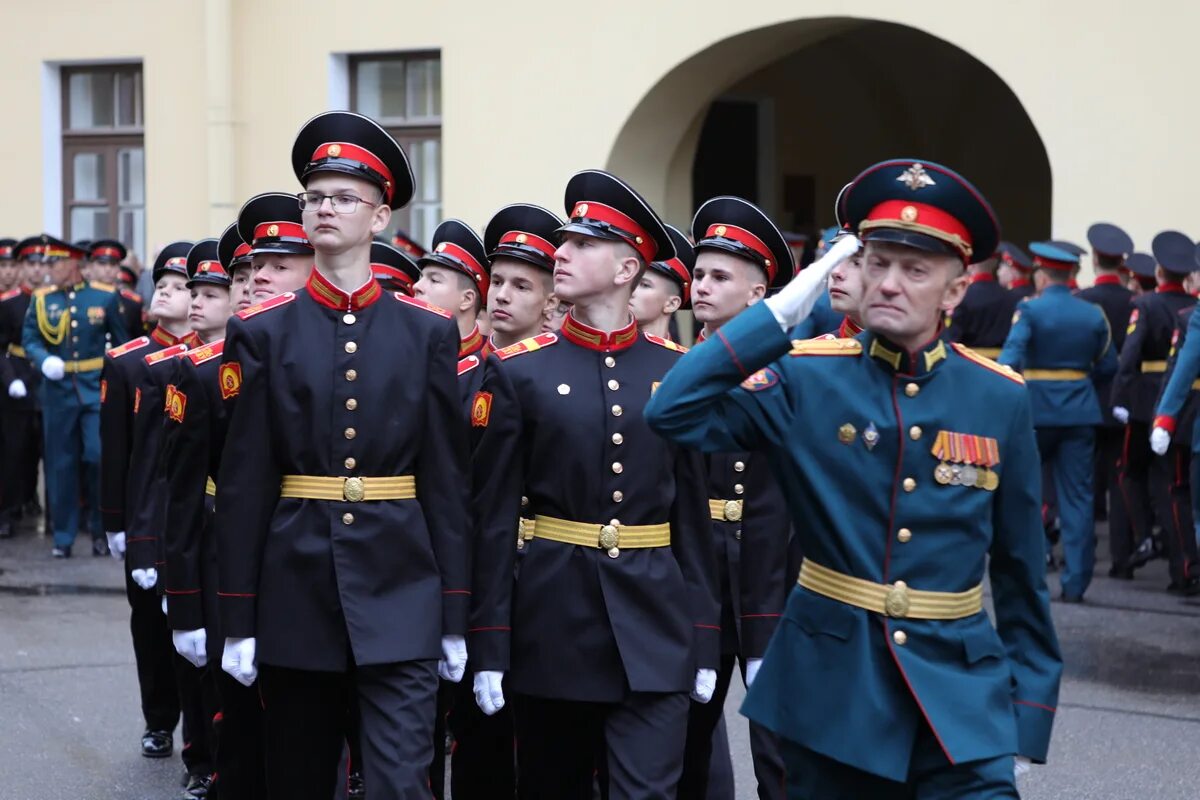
787, 114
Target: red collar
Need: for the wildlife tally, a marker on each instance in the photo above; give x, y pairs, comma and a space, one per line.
593, 339
1170, 287
1020, 283
983, 277
473, 342
167, 340
700, 337
1108, 280
848, 329
330, 296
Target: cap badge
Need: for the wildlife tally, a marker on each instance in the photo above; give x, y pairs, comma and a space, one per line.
846, 433
915, 177
441, 247
335, 150
581, 210
908, 214
521, 238
272, 230
720, 230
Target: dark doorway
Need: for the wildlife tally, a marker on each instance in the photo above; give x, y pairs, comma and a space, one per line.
727, 153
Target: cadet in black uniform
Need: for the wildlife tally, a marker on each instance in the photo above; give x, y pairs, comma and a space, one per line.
394, 268
343, 557
664, 288
1141, 273
1143, 361
20, 414
981, 321
454, 277
1016, 270
614, 616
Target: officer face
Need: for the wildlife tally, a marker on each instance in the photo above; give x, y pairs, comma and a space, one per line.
520, 297
724, 285
906, 291
65, 271
331, 232
239, 290
845, 286
105, 271
655, 296
273, 274
171, 298
586, 267
209, 310
445, 288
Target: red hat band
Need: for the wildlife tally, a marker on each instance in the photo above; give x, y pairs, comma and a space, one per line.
284, 231
240, 252
211, 268
920, 218
32, 250
344, 151
620, 224
178, 261
385, 272
1049, 263
677, 266
747, 239
523, 239
470, 265
106, 252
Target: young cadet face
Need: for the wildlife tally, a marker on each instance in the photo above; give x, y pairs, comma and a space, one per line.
334, 233
519, 298
655, 296
239, 290
445, 288
273, 274
724, 285
8, 275
845, 286
210, 309
906, 291
105, 271
171, 298
587, 267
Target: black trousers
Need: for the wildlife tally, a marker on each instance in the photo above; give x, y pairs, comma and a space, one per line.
702, 721
482, 763
437, 767
1129, 520
1108, 452
199, 704
155, 657
1171, 489
306, 717
238, 759
20, 432
558, 741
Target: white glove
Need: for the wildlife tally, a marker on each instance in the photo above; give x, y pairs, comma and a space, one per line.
53, 368
454, 658
752, 665
145, 578
190, 645
706, 683
238, 660
164, 605
795, 302
16, 389
1020, 766
1160, 440
116, 544
1121, 414
489, 692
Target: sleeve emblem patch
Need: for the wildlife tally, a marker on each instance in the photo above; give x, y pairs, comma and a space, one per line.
230, 376
481, 409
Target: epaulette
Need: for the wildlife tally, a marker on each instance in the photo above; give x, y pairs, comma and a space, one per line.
825, 347
104, 287
274, 302
987, 363
129, 294
129, 347
44, 290
167, 352
527, 345
667, 343
413, 301
467, 364
10, 294
206, 353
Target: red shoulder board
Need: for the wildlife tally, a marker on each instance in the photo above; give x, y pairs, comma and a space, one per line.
467, 364
130, 346
667, 343
207, 353
987, 363
412, 301
527, 345
167, 352
131, 295
274, 302
10, 294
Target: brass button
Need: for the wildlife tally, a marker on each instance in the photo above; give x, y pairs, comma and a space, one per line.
614, 553
914, 432
613, 385
617, 438
524, 502
909, 484
351, 404
71, 296
349, 319
350, 463
738, 534
609, 361
614, 521
74, 338
74, 323
617, 468
900, 637
351, 374
912, 389
616, 411
739, 489
903, 535
73, 309
739, 466
351, 433
618, 496
351, 347
347, 519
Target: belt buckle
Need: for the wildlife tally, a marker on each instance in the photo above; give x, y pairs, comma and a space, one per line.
520, 533
733, 510
353, 490
610, 540
896, 602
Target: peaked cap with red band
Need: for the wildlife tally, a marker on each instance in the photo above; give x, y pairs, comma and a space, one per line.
1047, 256
1109, 240
396, 270
172, 258
679, 268
922, 205
8, 249
737, 226
349, 143
270, 223
232, 252
1014, 256
1174, 252
456, 246
46, 248
602, 205
525, 232
204, 264
109, 251
1142, 265
408, 244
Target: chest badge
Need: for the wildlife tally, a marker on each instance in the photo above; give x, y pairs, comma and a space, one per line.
966, 460
871, 436
846, 433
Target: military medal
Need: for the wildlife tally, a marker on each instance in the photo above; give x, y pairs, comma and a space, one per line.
956, 475
969, 475
871, 436
942, 473
966, 460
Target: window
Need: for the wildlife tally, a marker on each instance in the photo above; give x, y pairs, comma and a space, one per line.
404, 94
103, 155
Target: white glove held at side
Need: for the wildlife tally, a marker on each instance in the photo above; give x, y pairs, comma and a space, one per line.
489, 691
706, 684
454, 658
116, 544
16, 389
238, 660
145, 578
54, 368
752, 666
1160, 440
191, 645
1121, 414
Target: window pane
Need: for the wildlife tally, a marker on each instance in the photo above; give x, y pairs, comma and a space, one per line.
379, 89
88, 171
129, 99
426, 157
88, 223
423, 220
90, 100
132, 231
131, 182
424, 89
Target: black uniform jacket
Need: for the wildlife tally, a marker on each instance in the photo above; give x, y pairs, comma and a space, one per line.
1147, 345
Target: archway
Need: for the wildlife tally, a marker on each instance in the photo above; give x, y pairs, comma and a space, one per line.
816, 100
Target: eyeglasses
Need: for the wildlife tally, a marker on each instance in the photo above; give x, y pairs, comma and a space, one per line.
342, 203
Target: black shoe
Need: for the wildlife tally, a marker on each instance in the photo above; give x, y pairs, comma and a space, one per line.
6, 530
197, 787
1070, 598
1143, 554
1120, 573
61, 552
99, 547
1189, 587
356, 787
157, 744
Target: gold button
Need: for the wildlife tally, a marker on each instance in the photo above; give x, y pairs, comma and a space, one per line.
74, 323
615, 522
617, 438
347, 519
74, 338
739, 466
909, 484
524, 502
609, 361
738, 488
71, 296
912, 389
349, 319
900, 637
915, 432
351, 347
903, 535
617, 468
616, 411
351, 374
351, 404
350, 463
613, 385
73, 308
351, 433
738, 534
618, 497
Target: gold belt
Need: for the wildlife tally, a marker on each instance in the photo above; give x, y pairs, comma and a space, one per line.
988, 352
1196, 384
1154, 366
611, 537
350, 490
725, 510
16, 350
210, 487
86, 365
894, 600
1054, 374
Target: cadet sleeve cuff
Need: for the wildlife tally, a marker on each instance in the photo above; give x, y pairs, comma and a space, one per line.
185, 610
708, 646
141, 552
238, 612
1165, 422
1034, 722
456, 605
488, 647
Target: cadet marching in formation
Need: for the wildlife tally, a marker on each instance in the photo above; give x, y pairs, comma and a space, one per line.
369, 497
